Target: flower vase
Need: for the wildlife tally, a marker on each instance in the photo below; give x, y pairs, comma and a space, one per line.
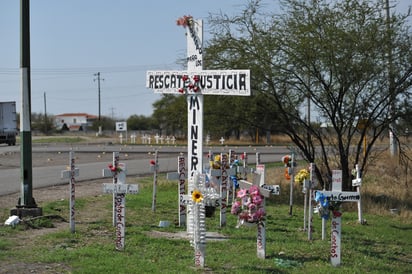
209, 211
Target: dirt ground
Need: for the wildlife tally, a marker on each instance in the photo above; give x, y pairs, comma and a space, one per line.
84, 188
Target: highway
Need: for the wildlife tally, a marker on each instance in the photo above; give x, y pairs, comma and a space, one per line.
49, 175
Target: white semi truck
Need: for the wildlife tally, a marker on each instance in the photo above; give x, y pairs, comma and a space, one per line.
8, 123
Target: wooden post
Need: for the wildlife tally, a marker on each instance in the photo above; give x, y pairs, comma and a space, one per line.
181, 176
71, 174
155, 168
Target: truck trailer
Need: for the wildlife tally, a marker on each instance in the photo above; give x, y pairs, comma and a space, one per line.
8, 123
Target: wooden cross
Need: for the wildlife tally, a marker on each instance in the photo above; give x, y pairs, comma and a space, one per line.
71, 174
119, 189
261, 228
337, 195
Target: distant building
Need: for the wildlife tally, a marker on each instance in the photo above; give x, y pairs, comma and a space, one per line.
74, 121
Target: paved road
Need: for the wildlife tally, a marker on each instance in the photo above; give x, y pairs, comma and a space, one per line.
50, 175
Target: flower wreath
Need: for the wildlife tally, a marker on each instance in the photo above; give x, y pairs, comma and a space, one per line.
302, 175
325, 207
248, 206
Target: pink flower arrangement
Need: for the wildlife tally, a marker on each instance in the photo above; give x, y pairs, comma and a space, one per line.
248, 205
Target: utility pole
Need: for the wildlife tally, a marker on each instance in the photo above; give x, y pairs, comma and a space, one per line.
26, 205
45, 113
393, 142
99, 101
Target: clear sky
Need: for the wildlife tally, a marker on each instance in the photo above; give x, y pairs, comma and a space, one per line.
74, 39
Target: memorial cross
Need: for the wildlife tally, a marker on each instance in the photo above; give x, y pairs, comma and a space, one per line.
357, 182
70, 174
337, 195
261, 228
119, 189
194, 83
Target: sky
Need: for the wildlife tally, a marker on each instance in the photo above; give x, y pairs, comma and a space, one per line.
73, 40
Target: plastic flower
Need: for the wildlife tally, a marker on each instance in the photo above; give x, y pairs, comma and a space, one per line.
184, 21
302, 175
254, 190
197, 196
152, 162
248, 205
242, 193
114, 168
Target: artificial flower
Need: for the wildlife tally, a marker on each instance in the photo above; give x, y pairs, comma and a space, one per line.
248, 205
302, 175
197, 196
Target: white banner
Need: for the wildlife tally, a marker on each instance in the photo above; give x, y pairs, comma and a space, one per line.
210, 82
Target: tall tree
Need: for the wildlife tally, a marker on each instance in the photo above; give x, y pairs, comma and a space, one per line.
333, 54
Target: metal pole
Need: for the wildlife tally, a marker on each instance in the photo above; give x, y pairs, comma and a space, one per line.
26, 198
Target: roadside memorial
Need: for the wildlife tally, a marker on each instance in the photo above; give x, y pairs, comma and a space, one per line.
118, 189
329, 203
180, 175
70, 174
154, 167
194, 83
250, 209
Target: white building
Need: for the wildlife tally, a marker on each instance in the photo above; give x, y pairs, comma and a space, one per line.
74, 121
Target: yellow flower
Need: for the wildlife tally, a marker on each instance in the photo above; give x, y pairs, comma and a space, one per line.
302, 175
197, 196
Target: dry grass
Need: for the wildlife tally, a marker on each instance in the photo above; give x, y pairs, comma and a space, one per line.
385, 187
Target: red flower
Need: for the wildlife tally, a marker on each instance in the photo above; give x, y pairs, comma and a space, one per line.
152, 162
181, 90
196, 78
337, 214
191, 86
185, 78
196, 88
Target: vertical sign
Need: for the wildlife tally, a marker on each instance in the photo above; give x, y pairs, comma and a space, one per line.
72, 191
223, 188
155, 168
71, 174
182, 181
195, 101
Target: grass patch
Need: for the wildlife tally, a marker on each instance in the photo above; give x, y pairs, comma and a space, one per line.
75, 139
383, 245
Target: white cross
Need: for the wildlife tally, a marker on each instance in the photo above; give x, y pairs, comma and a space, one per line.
119, 189
337, 195
71, 174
